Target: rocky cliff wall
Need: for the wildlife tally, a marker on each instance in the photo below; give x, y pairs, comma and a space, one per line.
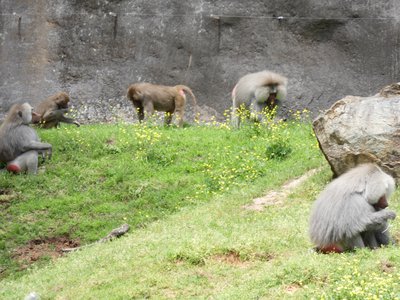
94, 49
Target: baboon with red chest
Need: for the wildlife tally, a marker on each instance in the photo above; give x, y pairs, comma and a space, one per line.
258, 92
19, 143
351, 211
51, 111
148, 97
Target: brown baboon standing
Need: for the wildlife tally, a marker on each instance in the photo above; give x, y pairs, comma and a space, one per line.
147, 98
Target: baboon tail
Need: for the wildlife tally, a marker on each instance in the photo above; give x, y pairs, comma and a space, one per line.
187, 90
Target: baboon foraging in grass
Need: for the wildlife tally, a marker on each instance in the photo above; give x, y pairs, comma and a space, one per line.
257, 92
19, 143
51, 111
147, 97
350, 213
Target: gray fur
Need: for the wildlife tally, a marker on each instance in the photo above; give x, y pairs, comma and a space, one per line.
19, 143
344, 214
253, 91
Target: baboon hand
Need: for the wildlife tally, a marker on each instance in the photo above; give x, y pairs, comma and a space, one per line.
47, 153
390, 215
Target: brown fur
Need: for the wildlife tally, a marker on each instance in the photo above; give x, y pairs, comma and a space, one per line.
147, 98
51, 111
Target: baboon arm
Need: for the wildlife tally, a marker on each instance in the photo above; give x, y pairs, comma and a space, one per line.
383, 237
54, 113
43, 148
369, 239
38, 146
378, 219
58, 116
68, 120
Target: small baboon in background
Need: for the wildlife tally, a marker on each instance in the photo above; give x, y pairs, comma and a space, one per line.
257, 92
51, 111
350, 213
147, 98
19, 143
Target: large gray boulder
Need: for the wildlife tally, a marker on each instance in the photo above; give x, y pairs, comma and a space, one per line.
362, 129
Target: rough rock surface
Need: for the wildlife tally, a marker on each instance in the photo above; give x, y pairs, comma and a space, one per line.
361, 129
94, 49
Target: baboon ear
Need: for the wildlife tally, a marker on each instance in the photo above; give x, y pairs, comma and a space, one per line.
20, 113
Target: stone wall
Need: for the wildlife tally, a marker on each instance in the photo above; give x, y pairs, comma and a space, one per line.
94, 49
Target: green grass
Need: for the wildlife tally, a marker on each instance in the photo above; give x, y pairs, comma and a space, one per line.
182, 191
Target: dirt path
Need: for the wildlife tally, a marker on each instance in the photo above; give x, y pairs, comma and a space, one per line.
275, 197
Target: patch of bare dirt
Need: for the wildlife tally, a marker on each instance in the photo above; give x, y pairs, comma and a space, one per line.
231, 257
44, 247
264, 256
293, 288
277, 197
6, 196
387, 266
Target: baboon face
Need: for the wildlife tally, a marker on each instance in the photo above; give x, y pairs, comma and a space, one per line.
381, 204
62, 101
136, 95
273, 90
266, 94
26, 113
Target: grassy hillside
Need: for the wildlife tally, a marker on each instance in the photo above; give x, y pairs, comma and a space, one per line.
183, 191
